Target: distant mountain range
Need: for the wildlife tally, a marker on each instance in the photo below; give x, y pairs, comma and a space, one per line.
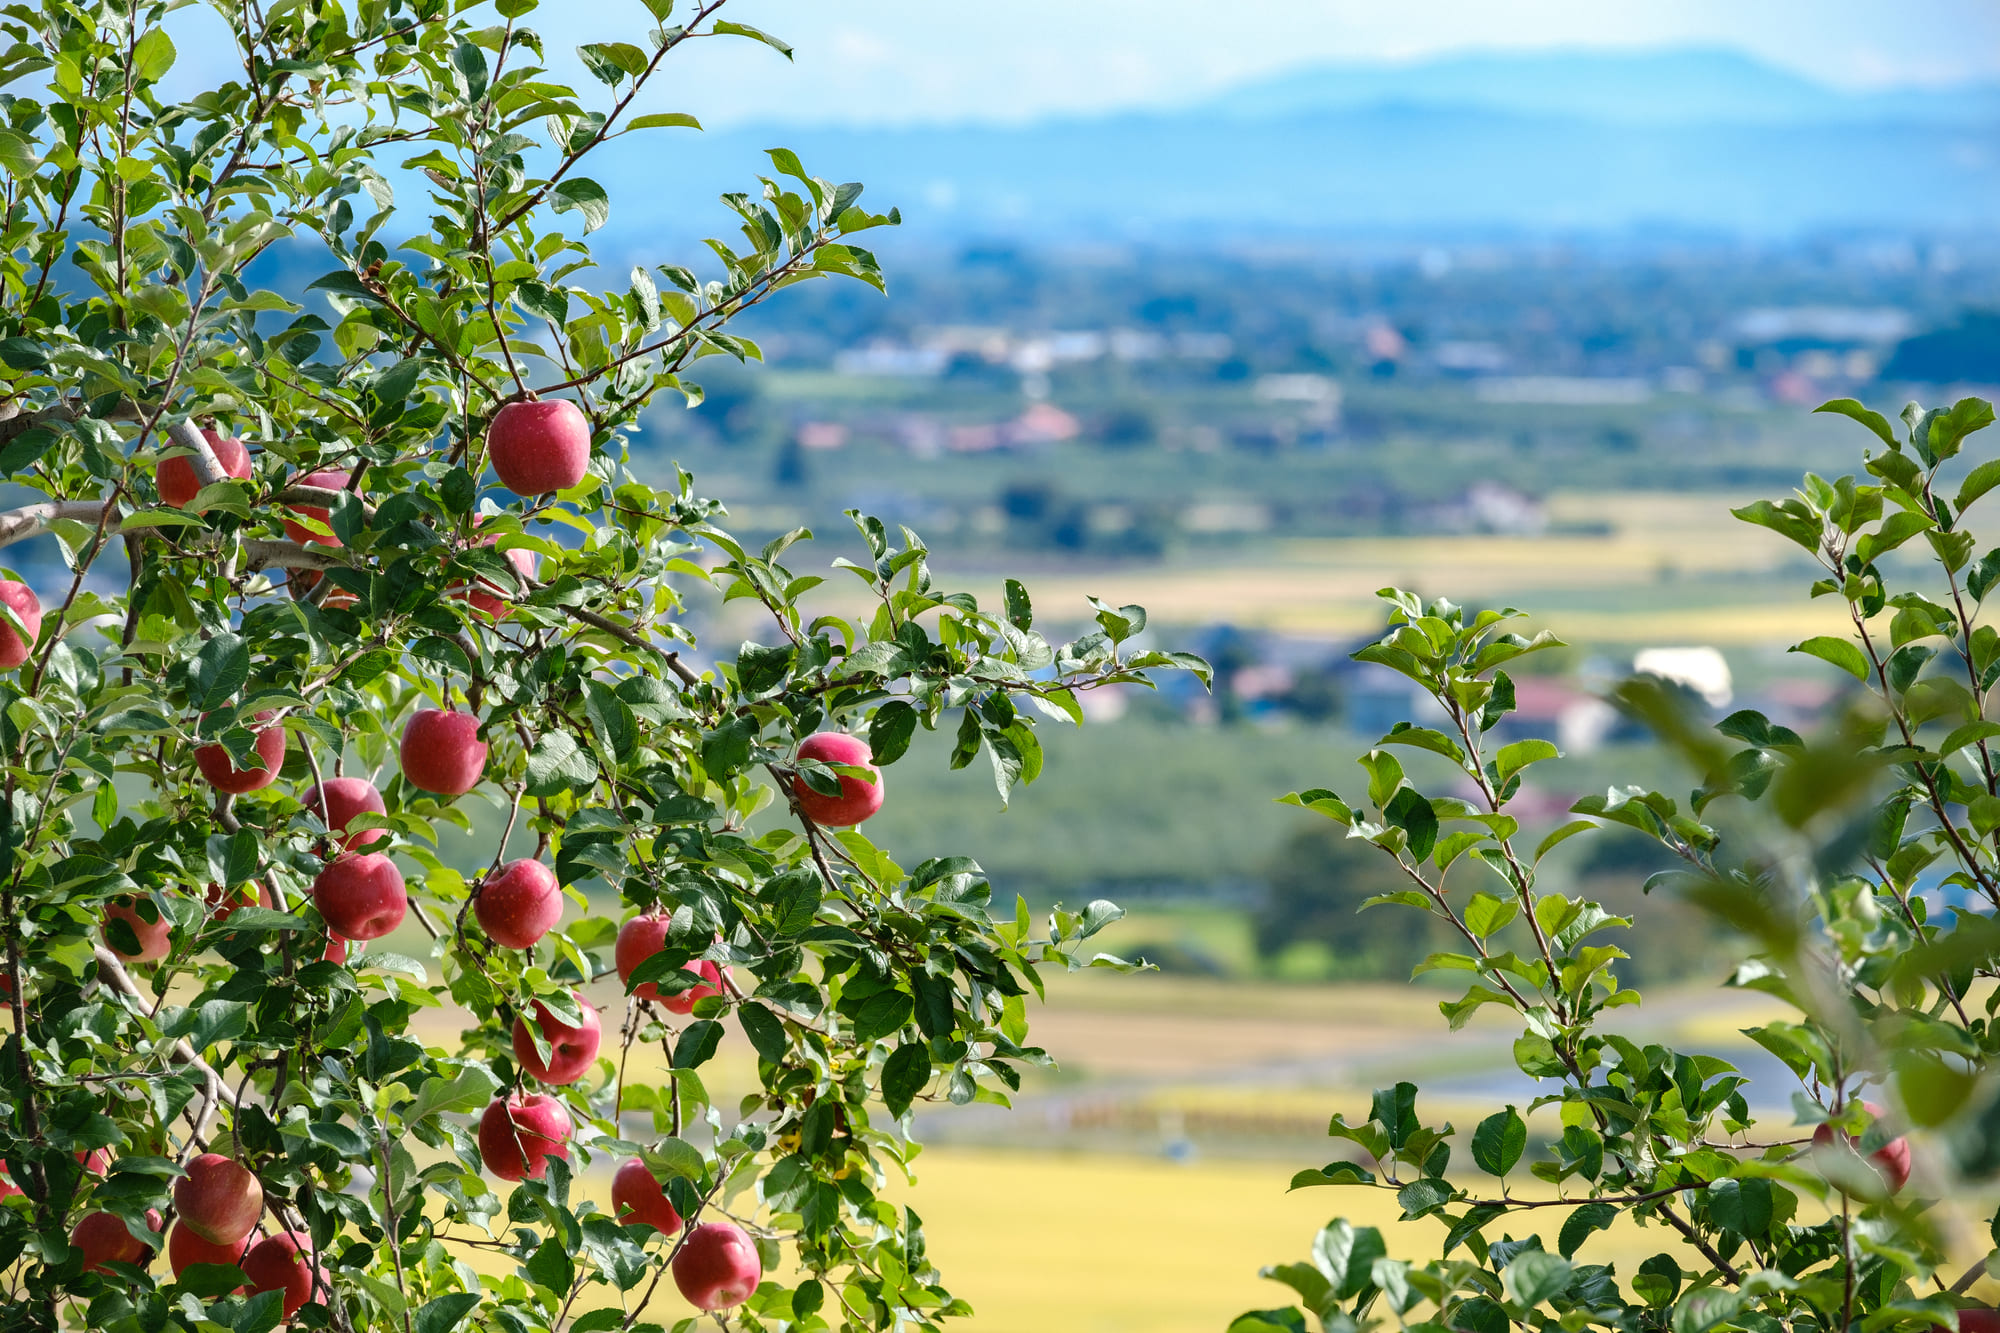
1590, 141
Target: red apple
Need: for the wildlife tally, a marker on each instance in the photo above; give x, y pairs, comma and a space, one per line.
338, 800
185, 1249
442, 752
220, 768
278, 1263
717, 1266
571, 1049
219, 1200
1978, 1320
222, 906
490, 597
96, 1162
21, 600
1891, 1161
858, 797
361, 895
331, 479
175, 476
155, 937
539, 447
518, 1134
105, 1239
520, 904
636, 1196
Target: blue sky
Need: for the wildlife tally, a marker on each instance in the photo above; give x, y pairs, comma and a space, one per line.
928, 61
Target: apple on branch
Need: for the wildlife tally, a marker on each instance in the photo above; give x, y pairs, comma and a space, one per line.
219, 766
859, 798
105, 1239
519, 905
219, 1200
361, 895
21, 600
442, 753
279, 1263
338, 800
538, 447
717, 1266
636, 1196
175, 478
572, 1050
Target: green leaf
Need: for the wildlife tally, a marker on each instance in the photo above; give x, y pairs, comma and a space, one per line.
765, 1031
906, 1073
1534, 1276
1485, 913
1578, 1225
550, 1266
467, 1090
152, 55
662, 120
1513, 758
1499, 1142
1875, 421
1790, 518
218, 671
1346, 1254
1977, 482
697, 1043
890, 731
586, 196
1949, 429
723, 27
1840, 652
1413, 814
557, 763
446, 1313
1742, 1206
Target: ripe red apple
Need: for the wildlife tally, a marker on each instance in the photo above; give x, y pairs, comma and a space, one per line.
175, 476
105, 1239
858, 798
636, 1196
338, 800
155, 937
520, 904
220, 768
518, 1134
222, 906
185, 1249
96, 1162
331, 479
219, 1200
278, 1263
1978, 1321
21, 600
1891, 1161
361, 895
539, 447
717, 1266
442, 752
490, 597
571, 1049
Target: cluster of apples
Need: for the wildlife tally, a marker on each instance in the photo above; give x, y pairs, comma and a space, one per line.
218, 1203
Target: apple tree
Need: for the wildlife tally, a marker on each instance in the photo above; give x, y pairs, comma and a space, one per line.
349, 561
1858, 864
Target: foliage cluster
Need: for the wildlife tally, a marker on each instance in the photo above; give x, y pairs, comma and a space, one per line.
1860, 865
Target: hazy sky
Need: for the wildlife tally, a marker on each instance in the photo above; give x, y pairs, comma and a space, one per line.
903, 61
